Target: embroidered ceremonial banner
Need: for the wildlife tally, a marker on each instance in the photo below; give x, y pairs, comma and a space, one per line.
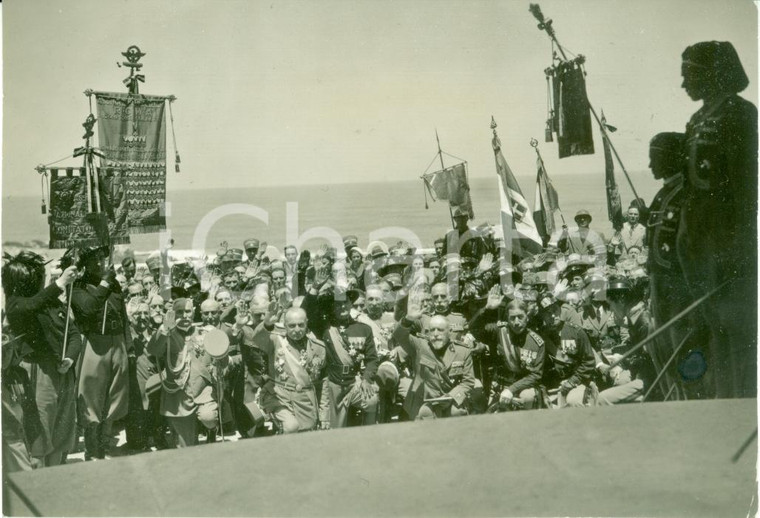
69, 221
132, 136
451, 184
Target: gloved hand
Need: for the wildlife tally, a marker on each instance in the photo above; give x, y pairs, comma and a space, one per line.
109, 278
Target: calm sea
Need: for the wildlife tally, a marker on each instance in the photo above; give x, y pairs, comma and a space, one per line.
361, 209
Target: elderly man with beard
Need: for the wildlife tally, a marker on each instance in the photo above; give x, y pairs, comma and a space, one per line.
351, 361
572, 358
443, 371
188, 393
290, 370
516, 352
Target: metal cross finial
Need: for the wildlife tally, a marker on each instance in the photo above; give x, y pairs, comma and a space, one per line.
533, 143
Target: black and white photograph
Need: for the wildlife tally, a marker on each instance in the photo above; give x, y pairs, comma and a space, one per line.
379, 258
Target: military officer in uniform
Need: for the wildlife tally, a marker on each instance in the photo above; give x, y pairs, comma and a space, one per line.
189, 379
443, 370
290, 370
351, 357
569, 350
516, 352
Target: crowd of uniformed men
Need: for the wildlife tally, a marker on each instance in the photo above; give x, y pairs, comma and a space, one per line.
262, 343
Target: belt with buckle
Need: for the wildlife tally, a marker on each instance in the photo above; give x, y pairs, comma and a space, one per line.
293, 386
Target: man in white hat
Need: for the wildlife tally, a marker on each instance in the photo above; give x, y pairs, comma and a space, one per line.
582, 240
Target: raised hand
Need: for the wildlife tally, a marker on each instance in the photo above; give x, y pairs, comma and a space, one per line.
413, 309
321, 275
67, 277
485, 263
494, 297
273, 314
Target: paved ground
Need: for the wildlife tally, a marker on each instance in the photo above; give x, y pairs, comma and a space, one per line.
660, 459
119, 447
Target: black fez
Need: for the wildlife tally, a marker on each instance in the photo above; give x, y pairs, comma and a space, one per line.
721, 63
670, 142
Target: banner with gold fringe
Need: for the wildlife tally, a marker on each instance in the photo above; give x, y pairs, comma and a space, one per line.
132, 136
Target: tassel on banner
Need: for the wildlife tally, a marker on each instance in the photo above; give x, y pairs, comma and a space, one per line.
424, 191
177, 161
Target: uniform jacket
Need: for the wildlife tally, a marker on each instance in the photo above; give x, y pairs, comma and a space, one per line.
39, 323
451, 375
528, 352
571, 355
356, 339
273, 366
196, 386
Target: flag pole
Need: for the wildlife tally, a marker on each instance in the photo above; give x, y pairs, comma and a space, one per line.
534, 145
545, 24
440, 157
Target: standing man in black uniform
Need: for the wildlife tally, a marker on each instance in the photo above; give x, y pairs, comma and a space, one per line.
717, 236
98, 307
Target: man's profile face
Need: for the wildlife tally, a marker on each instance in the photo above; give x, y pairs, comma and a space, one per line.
438, 248
656, 163
295, 325
633, 216
694, 82
517, 320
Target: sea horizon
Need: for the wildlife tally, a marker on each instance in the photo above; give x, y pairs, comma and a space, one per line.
364, 209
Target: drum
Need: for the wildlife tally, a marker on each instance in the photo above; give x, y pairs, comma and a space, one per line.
216, 343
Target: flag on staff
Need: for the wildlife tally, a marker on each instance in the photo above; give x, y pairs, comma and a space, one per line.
545, 204
132, 136
614, 205
451, 184
71, 222
518, 227
571, 114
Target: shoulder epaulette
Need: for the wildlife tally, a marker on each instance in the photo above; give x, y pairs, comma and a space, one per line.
536, 337
313, 338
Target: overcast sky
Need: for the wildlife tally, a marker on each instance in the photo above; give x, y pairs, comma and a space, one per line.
337, 91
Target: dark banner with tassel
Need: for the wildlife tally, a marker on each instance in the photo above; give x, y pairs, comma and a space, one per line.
71, 223
132, 136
